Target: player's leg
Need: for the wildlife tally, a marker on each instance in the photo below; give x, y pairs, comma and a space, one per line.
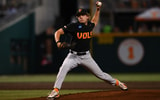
92, 66
69, 63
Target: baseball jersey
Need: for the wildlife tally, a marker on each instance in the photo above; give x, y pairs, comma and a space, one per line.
81, 35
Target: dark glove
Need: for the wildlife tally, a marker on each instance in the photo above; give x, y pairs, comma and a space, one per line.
65, 45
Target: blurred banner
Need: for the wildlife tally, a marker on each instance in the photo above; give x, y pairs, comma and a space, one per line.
127, 53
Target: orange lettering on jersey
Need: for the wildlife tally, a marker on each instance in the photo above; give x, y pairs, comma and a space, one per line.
85, 35
89, 35
79, 36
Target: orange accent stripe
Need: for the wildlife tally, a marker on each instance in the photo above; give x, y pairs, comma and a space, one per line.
56, 89
117, 82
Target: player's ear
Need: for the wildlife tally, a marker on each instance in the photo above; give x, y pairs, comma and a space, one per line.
77, 17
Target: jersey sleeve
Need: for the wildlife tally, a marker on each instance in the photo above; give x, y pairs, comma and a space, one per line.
92, 25
69, 28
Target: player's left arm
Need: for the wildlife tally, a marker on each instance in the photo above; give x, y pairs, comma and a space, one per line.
96, 15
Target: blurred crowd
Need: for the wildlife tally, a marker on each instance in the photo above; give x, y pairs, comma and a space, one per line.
137, 3
133, 4
132, 7
9, 9
142, 28
129, 8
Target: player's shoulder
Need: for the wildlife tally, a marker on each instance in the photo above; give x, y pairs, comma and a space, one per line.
70, 27
71, 24
91, 23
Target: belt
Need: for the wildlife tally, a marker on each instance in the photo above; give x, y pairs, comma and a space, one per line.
79, 53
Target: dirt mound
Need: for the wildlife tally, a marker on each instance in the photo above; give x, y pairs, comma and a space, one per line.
133, 94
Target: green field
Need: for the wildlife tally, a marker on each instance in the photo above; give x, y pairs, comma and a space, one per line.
20, 94
80, 77
23, 94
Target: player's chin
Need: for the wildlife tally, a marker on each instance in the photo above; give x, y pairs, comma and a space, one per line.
82, 21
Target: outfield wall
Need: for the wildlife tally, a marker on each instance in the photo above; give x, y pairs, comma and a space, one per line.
116, 52
127, 52
17, 46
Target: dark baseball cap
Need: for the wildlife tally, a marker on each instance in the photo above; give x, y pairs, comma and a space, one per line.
82, 12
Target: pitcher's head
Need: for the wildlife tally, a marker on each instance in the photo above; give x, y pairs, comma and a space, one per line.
83, 15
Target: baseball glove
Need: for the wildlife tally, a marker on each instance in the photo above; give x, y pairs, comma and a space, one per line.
65, 45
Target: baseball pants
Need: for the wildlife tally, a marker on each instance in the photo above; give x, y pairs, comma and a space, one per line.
73, 60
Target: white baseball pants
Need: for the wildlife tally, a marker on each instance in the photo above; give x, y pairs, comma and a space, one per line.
73, 60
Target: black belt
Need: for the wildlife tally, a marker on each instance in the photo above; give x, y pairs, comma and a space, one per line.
78, 53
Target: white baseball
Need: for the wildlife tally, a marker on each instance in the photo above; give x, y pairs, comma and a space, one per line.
99, 3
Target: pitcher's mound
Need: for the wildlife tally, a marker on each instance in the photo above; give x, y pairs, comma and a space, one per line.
134, 94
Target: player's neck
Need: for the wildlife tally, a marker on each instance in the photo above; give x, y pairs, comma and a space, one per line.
86, 23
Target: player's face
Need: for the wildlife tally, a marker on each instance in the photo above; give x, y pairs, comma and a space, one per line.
83, 18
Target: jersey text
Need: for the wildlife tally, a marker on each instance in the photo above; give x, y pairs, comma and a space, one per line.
85, 35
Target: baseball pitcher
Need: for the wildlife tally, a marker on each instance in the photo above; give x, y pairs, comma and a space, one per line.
79, 53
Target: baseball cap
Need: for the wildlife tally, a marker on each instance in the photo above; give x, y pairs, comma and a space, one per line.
82, 12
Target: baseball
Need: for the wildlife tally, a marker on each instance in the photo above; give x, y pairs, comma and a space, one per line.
99, 4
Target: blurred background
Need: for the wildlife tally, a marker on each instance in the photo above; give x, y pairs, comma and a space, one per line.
126, 39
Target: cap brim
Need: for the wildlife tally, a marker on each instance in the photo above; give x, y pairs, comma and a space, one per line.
82, 13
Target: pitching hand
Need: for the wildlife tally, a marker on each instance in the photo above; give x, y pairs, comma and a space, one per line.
98, 4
